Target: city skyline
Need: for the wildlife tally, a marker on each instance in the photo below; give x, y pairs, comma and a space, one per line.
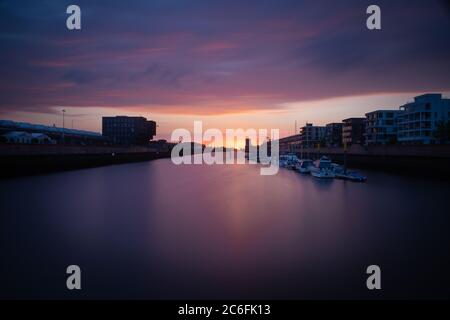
225, 157
258, 65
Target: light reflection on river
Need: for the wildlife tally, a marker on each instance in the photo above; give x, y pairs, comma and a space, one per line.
156, 230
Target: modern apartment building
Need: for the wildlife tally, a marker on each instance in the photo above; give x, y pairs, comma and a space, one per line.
353, 131
123, 130
381, 127
311, 135
333, 134
418, 120
291, 144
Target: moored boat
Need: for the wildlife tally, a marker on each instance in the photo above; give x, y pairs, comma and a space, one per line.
288, 161
303, 166
341, 173
322, 168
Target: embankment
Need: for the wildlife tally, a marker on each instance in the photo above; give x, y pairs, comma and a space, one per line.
22, 160
424, 160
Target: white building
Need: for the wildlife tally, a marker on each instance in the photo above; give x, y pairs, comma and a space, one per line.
23, 137
418, 120
41, 138
381, 127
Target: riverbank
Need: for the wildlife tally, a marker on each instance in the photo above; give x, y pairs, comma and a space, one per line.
426, 160
24, 160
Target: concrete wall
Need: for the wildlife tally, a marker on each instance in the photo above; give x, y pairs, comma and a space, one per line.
425, 160
24, 149
434, 151
22, 160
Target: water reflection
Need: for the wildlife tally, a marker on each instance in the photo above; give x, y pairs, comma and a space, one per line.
155, 230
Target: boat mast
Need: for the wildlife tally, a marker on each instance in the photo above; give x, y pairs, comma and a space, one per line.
307, 141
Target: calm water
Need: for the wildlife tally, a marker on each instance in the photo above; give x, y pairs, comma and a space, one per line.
155, 230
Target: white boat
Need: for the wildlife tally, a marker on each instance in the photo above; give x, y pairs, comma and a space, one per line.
288, 161
303, 165
282, 161
322, 168
341, 173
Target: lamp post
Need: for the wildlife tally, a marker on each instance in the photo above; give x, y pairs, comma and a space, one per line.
345, 157
63, 113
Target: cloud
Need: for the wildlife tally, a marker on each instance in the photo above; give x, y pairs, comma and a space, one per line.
216, 56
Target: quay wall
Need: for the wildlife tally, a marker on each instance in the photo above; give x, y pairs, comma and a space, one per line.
425, 160
23, 160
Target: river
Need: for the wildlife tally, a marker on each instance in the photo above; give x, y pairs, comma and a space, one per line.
153, 230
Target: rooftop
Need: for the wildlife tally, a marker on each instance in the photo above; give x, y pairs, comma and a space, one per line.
24, 126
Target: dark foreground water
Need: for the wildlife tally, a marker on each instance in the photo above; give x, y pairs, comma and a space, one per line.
155, 230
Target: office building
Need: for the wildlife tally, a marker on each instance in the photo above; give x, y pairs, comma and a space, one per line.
291, 144
311, 135
123, 130
353, 131
333, 134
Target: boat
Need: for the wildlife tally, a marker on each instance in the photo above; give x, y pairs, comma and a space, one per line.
341, 173
292, 162
303, 165
322, 168
288, 161
352, 176
282, 161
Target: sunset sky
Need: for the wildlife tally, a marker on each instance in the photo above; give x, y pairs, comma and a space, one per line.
254, 63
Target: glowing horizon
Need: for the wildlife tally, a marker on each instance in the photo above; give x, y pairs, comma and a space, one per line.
319, 112
235, 65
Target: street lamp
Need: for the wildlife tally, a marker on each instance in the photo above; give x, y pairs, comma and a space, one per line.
63, 112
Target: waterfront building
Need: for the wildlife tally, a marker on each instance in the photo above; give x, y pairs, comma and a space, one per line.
333, 134
311, 135
22, 137
291, 144
56, 134
418, 120
123, 130
353, 131
381, 127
